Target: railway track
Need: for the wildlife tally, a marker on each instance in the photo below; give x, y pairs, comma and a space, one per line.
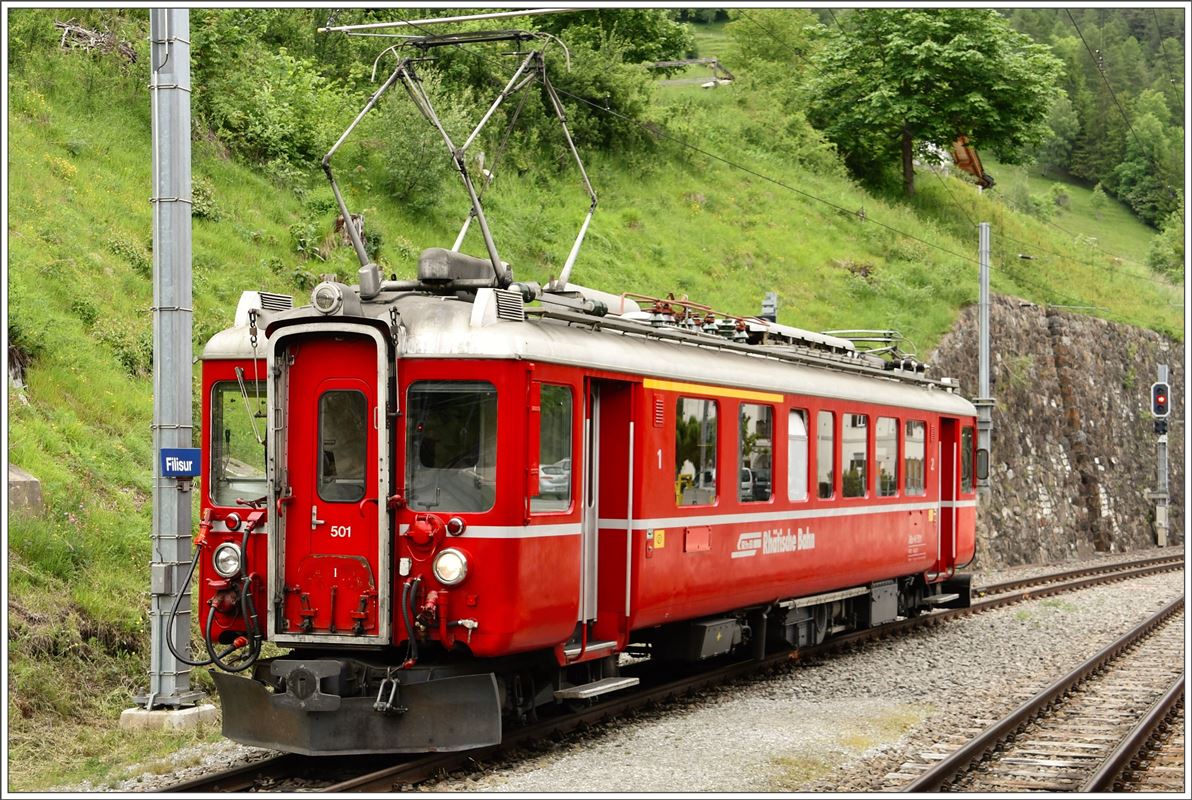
379, 773
1157, 765
1082, 730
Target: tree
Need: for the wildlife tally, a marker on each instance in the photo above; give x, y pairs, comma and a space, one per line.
1056, 151
906, 82
770, 40
1166, 254
1099, 200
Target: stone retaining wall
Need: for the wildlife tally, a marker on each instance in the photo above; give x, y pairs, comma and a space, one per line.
1073, 444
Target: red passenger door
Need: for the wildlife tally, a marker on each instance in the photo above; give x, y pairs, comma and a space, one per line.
330, 557
949, 479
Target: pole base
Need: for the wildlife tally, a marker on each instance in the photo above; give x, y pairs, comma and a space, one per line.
174, 719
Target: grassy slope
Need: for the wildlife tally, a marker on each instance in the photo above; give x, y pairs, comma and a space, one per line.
675, 221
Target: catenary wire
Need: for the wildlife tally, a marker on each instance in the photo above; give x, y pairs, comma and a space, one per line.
654, 131
1113, 95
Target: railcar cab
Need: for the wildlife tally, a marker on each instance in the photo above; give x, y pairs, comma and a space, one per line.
232, 540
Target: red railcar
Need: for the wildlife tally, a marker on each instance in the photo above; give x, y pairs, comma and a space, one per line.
454, 507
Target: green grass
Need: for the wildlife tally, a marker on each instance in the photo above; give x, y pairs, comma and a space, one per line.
79, 297
711, 40
670, 220
1113, 228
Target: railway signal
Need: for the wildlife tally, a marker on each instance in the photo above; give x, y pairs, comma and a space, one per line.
1160, 400
1161, 409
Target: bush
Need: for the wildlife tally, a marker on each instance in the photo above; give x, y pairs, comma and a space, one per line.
1166, 254
413, 159
264, 103
305, 238
133, 348
85, 311
1041, 207
1059, 195
202, 194
132, 254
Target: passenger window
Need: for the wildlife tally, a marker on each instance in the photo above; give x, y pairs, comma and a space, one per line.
451, 445
825, 454
756, 452
854, 443
695, 452
913, 451
966, 460
885, 447
554, 450
343, 439
796, 456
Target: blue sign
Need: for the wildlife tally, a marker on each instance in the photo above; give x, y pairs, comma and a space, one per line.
179, 462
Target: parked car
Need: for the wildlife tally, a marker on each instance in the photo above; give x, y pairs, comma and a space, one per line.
761, 484
554, 480
746, 492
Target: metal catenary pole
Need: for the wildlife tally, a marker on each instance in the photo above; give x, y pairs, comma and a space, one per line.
984, 402
169, 91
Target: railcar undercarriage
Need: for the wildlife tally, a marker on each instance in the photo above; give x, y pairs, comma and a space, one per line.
319, 703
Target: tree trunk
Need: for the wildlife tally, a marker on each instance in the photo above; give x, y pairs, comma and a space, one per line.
908, 163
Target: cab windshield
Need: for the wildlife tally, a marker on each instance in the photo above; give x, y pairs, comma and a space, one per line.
237, 458
451, 445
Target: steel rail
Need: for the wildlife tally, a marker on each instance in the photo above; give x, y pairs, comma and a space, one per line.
1119, 760
419, 768
415, 771
1005, 586
944, 771
243, 778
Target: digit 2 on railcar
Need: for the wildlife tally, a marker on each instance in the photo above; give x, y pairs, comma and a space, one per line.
470, 506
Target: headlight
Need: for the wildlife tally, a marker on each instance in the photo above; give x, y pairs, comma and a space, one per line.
327, 298
226, 560
450, 566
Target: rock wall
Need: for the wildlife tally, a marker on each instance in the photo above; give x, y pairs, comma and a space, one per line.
1073, 447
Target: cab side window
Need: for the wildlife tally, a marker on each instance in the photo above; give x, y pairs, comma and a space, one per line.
554, 450
966, 460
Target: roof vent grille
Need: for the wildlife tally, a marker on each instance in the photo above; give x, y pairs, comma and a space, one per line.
276, 302
510, 306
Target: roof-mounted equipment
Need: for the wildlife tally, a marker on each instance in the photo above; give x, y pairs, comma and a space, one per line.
883, 344
449, 269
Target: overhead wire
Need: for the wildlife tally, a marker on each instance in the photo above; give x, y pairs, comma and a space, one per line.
1112, 94
1162, 56
658, 132
1075, 235
1153, 279
770, 32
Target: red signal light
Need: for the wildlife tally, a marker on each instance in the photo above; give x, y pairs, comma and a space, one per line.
1160, 394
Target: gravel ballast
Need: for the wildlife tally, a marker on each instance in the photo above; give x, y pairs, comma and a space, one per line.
841, 723
847, 721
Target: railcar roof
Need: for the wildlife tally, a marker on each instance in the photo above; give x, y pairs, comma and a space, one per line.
442, 327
